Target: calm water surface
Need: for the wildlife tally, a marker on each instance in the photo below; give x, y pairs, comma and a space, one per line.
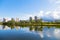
25, 34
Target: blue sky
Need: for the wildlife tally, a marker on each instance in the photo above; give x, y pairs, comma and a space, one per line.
23, 9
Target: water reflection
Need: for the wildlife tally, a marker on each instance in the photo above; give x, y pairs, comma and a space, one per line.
35, 28
30, 33
51, 33
3, 26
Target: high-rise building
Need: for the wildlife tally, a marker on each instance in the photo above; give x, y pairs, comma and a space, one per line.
36, 18
30, 19
4, 20
17, 19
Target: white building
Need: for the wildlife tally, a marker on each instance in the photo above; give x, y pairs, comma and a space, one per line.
17, 19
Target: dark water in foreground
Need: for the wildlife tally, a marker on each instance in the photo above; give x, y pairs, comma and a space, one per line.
25, 34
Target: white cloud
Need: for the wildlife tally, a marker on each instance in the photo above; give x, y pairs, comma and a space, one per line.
55, 4
41, 34
52, 33
56, 9
42, 14
57, 33
54, 1
51, 14
56, 15
57, 1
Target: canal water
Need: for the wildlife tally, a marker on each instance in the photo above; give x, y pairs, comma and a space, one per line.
24, 33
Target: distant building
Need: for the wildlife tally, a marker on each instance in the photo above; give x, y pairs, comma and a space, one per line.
4, 20
30, 19
12, 19
17, 19
36, 18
